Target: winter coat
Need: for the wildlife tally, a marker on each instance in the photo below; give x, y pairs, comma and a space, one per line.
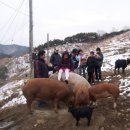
91, 63
66, 64
82, 60
75, 61
55, 59
99, 59
40, 69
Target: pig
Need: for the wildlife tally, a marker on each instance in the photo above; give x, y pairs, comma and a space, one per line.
79, 85
81, 95
47, 89
104, 90
81, 112
121, 63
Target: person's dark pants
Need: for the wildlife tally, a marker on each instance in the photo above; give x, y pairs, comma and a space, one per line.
98, 72
82, 68
91, 77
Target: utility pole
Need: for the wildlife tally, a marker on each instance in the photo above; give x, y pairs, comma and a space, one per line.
31, 37
48, 47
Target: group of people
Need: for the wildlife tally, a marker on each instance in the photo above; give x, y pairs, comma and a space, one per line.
75, 61
94, 64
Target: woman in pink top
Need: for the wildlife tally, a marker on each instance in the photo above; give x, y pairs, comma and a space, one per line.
66, 66
82, 63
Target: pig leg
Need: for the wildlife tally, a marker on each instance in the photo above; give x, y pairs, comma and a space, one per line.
118, 70
56, 104
89, 119
114, 103
29, 103
123, 70
115, 70
93, 100
114, 97
77, 121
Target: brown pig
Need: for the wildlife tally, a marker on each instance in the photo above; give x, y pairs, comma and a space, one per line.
46, 89
81, 95
104, 90
79, 85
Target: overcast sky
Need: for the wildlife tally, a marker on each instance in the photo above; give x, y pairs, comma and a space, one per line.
60, 18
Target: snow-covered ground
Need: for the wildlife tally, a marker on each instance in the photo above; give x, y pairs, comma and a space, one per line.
12, 90
18, 66
11, 93
114, 51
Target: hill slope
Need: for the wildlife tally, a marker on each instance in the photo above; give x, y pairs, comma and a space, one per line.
13, 50
12, 102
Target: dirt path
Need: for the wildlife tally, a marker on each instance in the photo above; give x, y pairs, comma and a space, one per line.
103, 118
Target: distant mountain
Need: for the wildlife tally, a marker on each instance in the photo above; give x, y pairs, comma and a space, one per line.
3, 55
13, 50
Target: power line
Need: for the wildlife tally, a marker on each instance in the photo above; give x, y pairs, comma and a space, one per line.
10, 22
23, 24
12, 8
6, 23
13, 19
19, 31
15, 10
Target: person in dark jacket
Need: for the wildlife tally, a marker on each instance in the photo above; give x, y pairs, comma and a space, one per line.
55, 60
99, 58
41, 70
66, 66
74, 58
40, 66
90, 64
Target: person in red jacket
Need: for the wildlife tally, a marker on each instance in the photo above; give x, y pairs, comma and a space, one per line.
66, 66
41, 70
40, 66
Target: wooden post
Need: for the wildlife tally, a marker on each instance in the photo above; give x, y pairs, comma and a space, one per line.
31, 37
48, 47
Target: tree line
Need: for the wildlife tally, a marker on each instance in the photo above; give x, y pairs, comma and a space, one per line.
91, 37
